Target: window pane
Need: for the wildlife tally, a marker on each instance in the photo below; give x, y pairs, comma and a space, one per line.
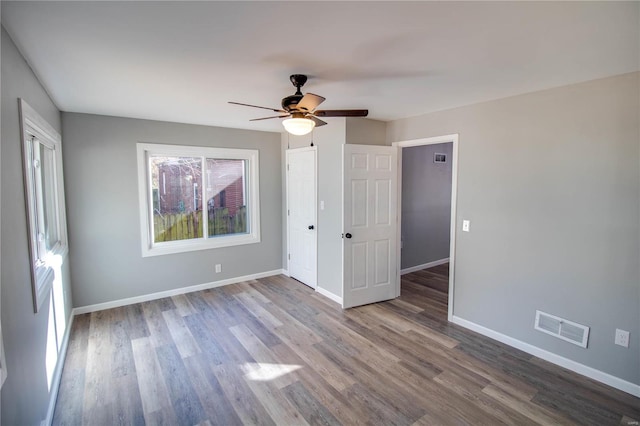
177, 198
226, 197
47, 182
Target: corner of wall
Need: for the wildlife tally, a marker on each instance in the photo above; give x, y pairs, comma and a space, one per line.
365, 131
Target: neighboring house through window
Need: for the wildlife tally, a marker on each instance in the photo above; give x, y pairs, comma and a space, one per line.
195, 198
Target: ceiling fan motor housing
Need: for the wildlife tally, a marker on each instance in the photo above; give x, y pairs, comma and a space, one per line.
290, 102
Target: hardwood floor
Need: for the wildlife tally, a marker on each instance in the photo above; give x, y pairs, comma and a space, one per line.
273, 351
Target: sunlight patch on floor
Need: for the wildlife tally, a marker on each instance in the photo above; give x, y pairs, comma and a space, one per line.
263, 372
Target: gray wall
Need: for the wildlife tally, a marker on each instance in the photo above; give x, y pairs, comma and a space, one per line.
25, 394
551, 183
426, 204
364, 131
103, 218
330, 140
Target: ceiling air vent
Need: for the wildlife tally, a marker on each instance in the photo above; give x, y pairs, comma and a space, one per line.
561, 328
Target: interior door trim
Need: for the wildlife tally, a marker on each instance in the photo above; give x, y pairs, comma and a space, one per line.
454, 190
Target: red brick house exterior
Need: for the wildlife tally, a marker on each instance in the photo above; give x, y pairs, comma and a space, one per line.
180, 183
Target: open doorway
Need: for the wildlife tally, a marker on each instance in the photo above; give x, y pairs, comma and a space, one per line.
427, 206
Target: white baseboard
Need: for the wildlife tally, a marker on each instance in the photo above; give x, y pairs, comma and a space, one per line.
423, 266
285, 272
574, 366
329, 295
57, 372
174, 292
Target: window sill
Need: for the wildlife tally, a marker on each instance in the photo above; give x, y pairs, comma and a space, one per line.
173, 247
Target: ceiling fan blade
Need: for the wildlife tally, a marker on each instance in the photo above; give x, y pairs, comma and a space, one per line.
341, 113
316, 120
309, 102
256, 106
267, 118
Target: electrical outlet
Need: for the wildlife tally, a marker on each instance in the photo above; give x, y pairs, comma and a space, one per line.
622, 338
465, 225
218, 268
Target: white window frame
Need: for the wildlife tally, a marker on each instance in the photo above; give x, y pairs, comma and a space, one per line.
34, 131
145, 194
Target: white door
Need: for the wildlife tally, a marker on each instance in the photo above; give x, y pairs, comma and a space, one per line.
370, 194
301, 208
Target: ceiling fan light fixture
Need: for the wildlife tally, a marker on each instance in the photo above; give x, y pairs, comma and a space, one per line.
298, 126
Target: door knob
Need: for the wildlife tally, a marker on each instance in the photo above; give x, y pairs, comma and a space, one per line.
347, 235
311, 227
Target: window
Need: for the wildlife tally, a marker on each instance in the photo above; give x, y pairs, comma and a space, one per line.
196, 198
42, 155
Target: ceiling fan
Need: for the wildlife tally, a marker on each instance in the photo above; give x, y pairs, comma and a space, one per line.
302, 109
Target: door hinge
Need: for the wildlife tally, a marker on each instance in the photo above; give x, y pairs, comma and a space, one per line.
289, 256
287, 167
288, 212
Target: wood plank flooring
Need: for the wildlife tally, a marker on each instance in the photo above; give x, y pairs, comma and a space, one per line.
273, 352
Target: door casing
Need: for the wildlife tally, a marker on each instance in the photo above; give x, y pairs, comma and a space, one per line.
454, 187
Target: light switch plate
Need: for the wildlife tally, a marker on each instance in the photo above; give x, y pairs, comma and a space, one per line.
465, 225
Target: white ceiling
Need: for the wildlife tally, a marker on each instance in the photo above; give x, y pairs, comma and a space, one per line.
182, 61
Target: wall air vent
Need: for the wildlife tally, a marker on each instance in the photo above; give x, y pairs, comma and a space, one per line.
561, 328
